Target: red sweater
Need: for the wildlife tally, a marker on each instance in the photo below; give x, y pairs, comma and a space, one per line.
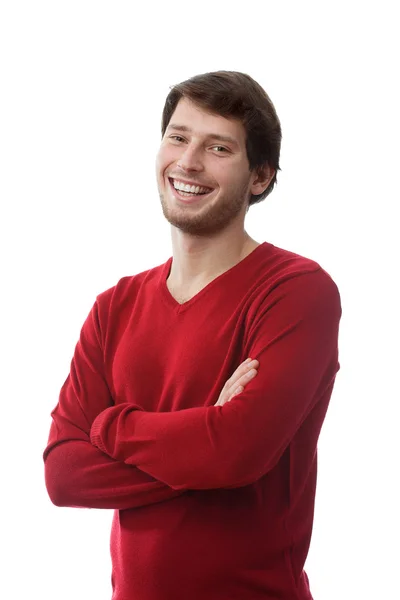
212, 502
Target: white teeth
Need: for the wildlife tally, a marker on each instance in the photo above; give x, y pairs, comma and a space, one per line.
185, 187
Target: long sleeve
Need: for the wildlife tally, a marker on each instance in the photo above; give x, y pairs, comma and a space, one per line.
77, 473
294, 335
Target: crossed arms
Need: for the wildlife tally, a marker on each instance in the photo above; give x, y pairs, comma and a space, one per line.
105, 456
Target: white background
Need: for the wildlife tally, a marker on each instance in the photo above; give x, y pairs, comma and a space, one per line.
82, 89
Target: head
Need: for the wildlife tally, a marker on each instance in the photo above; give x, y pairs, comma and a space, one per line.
220, 130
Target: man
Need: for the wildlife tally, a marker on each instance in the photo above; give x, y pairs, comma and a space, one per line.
209, 461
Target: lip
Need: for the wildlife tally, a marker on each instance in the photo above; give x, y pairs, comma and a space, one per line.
187, 200
186, 182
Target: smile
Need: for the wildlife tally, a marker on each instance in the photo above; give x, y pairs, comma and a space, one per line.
187, 189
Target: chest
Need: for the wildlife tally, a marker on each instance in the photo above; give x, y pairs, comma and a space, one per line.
167, 360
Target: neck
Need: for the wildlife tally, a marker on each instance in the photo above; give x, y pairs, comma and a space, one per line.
198, 260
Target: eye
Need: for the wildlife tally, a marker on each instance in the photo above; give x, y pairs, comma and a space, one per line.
176, 138
220, 149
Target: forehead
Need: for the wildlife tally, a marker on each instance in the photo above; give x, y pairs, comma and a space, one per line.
202, 123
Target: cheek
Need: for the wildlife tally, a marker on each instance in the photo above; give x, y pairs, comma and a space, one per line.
160, 161
228, 175
165, 157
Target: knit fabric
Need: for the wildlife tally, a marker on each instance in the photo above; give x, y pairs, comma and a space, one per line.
211, 502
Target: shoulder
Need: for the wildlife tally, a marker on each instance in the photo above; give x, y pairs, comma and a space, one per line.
277, 260
285, 274
277, 265
122, 295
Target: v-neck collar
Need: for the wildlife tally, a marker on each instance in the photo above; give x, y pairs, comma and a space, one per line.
175, 305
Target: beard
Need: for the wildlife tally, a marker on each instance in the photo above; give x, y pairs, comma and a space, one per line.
209, 219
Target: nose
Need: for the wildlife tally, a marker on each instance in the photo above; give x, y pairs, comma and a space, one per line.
190, 159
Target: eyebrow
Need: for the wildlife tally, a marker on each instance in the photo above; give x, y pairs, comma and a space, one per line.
214, 136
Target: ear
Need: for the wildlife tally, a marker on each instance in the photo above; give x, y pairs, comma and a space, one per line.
262, 177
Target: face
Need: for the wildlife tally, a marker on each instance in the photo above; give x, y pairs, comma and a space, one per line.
203, 172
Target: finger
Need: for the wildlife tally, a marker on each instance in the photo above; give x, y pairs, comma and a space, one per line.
241, 383
237, 391
241, 371
251, 364
236, 383
244, 368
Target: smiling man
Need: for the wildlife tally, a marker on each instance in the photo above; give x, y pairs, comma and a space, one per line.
198, 388
203, 162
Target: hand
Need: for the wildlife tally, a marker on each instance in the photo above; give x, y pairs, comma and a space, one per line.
237, 382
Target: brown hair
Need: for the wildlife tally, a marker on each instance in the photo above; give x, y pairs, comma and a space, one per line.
235, 95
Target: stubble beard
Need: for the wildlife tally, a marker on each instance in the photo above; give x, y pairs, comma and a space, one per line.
210, 219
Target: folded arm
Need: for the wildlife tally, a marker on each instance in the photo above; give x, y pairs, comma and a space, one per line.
294, 338
77, 473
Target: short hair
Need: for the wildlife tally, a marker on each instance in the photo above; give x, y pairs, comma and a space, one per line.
235, 95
